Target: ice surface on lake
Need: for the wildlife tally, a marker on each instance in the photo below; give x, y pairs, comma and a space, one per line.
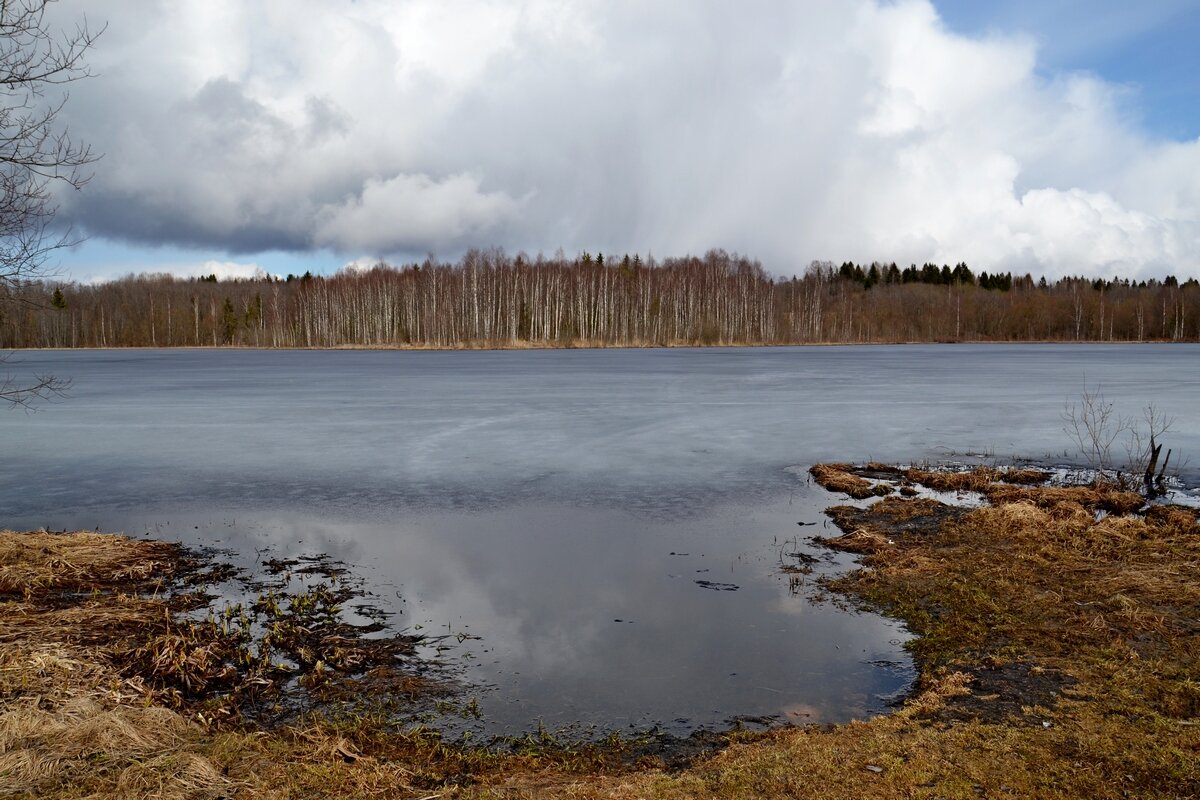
533, 498
664, 431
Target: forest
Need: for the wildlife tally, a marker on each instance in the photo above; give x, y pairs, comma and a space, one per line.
491, 299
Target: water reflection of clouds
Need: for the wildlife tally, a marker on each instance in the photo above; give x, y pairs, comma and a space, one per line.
453, 577
544, 587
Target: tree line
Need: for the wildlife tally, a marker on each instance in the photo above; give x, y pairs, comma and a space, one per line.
491, 299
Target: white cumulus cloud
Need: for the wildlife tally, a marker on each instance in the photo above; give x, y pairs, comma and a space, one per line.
224, 270
411, 212
860, 129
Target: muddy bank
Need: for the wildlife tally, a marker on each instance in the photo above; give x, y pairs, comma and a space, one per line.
1069, 609
147, 610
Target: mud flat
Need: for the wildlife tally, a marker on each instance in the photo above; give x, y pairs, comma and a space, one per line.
1057, 637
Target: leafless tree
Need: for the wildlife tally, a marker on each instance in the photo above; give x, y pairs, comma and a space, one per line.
37, 153
1095, 426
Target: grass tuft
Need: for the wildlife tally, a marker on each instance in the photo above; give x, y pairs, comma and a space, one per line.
840, 478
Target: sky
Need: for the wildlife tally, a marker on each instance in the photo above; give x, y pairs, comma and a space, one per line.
239, 136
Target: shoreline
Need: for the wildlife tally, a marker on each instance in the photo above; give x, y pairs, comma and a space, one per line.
522, 346
1053, 645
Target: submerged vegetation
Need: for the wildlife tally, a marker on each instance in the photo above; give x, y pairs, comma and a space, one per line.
492, 299
1056, 639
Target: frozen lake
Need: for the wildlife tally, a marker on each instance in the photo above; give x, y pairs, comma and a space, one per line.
564, 506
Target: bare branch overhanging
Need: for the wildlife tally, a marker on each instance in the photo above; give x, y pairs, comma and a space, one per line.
37, 155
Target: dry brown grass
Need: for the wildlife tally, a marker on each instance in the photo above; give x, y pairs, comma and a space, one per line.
1052, 577
1093, 498
1014, 485
868, 529
839, 478
32, 563
1024, 475
70, 723
898, 509
859, 540
44, 749
976, 479
973, 480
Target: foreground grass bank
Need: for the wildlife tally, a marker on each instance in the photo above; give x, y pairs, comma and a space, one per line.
1057, 646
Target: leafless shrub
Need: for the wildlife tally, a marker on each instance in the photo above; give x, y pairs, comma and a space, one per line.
1095, 426
1144, 449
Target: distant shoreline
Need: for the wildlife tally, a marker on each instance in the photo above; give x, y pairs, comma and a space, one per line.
489, 300
596, 346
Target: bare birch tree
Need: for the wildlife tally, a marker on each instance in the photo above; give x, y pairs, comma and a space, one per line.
37, 155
